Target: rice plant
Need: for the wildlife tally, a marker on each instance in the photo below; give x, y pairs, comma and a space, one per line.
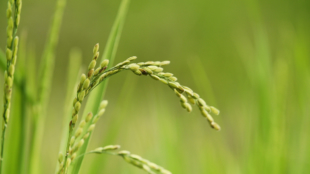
34, 100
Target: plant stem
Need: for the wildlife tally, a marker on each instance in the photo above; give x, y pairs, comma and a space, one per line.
23, 129
67, 149
2, 145
11, 50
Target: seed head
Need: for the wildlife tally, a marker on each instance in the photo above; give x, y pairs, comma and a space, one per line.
124, 152
86, 84
132, 58
167, 62
88, 117
81, 142
111, 147
101, 112
133, 67
92, 65
8, 54
96, 56
60, 157
78, 132
68, 162
11, 70
201, 102
155, 77
73, 156
137, 72
96, 48
81, 95
104, 63
91, 128
167, 74
83, 78
103, 104
148, 70
163, 81
72, 140
173, 78
77, 106
74, 119
86, 136
215, 126
214, 110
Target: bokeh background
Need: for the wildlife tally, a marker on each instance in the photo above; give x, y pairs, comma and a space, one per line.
249, 58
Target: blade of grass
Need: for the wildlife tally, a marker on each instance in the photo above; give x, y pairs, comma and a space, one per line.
96, 96
30, 90
203, 85
46, 72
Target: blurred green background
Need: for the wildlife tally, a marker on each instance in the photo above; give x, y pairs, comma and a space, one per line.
249, 58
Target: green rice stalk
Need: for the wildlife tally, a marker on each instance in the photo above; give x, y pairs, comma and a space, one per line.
78, 100
19, 143
152, 69
109, 53
30, 93
73, 144
11, 56
155, 71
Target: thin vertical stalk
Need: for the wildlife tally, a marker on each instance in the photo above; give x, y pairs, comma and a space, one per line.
22, 114
11, 55
2, 145
23, 130
46, 72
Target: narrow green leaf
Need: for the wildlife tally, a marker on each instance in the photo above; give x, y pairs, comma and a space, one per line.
96, 96
29, 91
46, 73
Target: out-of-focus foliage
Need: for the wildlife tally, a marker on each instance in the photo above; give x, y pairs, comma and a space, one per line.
249, 58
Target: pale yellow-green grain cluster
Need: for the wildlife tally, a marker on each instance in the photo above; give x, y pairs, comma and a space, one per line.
88, 82
186, 94
13, 16
108, 148
142, 163
75, 146
132, 159
78, 139
83, 85
154, 69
